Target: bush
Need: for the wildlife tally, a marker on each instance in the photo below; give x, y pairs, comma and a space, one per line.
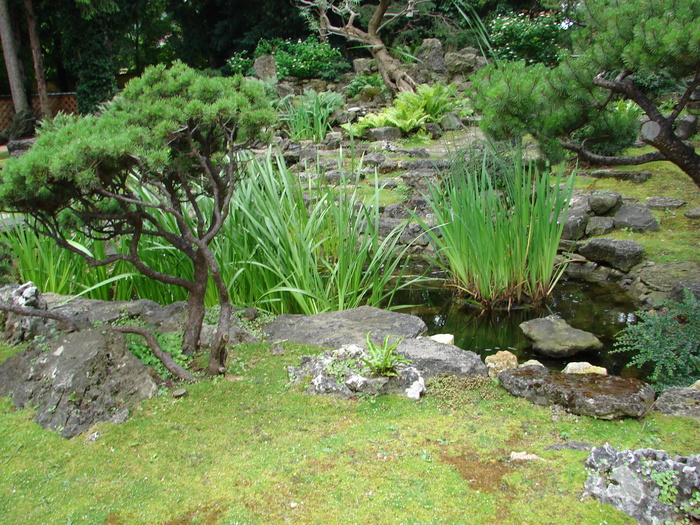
239, 64
533, 38
613, 132
362, 81
304, 59
669, 338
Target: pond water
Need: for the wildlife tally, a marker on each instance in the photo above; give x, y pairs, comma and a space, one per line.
600, 308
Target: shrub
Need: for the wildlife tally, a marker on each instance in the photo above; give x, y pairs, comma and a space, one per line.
522, 36
239, 64
304, 59
307, 117
362, 81
668, 338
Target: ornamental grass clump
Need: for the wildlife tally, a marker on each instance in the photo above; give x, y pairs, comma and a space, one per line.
499, 246
308, 116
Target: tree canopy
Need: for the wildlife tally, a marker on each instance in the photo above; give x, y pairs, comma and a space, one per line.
161, 160
590, 103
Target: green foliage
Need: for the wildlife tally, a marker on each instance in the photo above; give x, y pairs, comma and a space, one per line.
169, 342
304, 58
239, 64
383, 359
525, 36
620, 50
500, 247
295, 249
411, 111
363, 81
668, 339
307, 117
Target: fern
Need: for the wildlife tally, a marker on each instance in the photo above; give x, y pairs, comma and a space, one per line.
668, 338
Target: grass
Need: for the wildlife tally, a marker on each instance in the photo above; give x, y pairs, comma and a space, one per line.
247, 449
678, 237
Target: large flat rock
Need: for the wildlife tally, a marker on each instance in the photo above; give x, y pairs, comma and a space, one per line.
602, 397
76, 380
433, 358
335, 329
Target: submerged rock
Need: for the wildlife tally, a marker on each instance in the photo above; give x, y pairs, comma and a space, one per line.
553, 337
602, 397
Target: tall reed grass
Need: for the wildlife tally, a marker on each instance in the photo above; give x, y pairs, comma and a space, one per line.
500, 246
285, 247
307, 116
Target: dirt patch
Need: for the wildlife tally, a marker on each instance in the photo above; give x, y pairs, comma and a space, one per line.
481, 473
206, 514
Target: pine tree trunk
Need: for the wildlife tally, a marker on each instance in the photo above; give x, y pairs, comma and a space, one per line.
663, 138
12, 63
195, 308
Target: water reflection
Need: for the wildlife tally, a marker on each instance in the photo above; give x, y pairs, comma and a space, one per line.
600, 308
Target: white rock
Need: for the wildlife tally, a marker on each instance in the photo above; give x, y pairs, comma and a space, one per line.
582, 367
445, 339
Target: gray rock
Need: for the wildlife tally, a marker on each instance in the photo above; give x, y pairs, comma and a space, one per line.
335, 329
679, 401
19, 328
265, 67
661, 278
604, 203
599, 226
629, 481
433, 129
636, 217
553, 337
389, 133
693, 214
430, 54
451, 122
678, 291
18, 147
373, 159
622, 254
687, 126
76, 380
664, 203
363, 66
602, 397
629, 175
576, 218
432, 358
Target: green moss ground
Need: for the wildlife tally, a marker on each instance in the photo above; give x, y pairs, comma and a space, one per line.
250, 449
678, 238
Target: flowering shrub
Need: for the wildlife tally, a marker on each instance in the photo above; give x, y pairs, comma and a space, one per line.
523, 36
304, 59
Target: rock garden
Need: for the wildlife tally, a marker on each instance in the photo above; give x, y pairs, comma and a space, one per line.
350, 305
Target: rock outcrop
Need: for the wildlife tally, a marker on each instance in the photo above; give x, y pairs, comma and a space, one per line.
553, 337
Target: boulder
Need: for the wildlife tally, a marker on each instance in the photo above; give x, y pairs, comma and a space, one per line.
654, 282
389, 133
622, 254
77, 379
679, 401
363, 66
597, 226
500, 361
583, 367
343, 373
628, 175
636, 481
576, 218
636, 217
677, 292
265, 67
604, 203
432, 358
19, 328
335, 329
693, 214
664, 203
686, 126
553, 337
602, 397
430, 55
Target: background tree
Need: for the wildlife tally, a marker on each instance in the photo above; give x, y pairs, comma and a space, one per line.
590, 103
162, 160
343, 17
12, 59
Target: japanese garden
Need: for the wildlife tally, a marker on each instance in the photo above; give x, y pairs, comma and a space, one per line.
400, 261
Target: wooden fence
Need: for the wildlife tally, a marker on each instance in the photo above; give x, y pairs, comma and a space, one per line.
58, 101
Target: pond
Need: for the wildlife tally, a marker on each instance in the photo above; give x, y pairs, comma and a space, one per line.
600, 308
